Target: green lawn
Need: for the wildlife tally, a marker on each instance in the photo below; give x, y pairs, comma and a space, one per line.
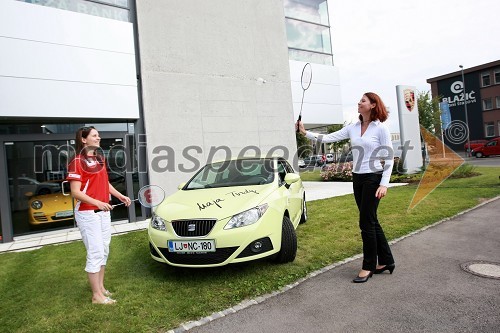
311, 175
46, 290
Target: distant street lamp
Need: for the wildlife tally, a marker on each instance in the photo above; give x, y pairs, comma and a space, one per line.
468, 150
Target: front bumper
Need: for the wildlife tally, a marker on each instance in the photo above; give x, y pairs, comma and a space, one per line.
232, 246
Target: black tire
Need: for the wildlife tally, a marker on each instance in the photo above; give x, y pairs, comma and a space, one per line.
303, 217
479, 154
288, 242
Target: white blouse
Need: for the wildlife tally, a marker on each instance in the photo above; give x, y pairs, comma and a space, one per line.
367, 149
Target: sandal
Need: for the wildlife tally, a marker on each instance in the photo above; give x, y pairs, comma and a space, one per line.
107, 293
107, 300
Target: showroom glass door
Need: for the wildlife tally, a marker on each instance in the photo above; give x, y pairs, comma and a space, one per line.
36, 170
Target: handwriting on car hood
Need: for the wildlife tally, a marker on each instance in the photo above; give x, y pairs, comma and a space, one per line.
213, 203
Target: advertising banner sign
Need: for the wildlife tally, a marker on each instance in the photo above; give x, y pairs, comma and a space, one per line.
409, 127
445, 115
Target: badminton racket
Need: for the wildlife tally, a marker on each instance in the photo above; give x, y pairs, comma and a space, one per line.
149, 196
305, 82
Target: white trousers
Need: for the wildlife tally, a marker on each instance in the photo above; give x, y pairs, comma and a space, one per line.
95, 229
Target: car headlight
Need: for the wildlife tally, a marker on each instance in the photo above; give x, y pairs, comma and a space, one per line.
247, 217
36, 204
158, 223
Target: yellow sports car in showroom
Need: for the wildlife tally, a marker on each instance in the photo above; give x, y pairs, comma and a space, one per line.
230, 212
48, 208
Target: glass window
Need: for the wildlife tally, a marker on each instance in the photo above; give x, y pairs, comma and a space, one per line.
315, 11
485, 79
306, 56
233, 173
497, 76
498, 102
120, 3
308, 37
120, 13
487, 104
489, 129
52, 128
281, 173
35, 172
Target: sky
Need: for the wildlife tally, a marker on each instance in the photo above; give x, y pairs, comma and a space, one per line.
380, 44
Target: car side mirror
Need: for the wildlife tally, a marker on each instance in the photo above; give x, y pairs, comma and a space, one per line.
291, 178
181, 185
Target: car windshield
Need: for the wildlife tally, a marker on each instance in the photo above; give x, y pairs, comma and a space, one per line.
233, 173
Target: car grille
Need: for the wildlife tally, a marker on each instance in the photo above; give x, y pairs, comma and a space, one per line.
40, 217
209, 258
193, 228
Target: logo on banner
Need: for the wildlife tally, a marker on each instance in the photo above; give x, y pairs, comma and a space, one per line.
459, 95
409, 96
457, 87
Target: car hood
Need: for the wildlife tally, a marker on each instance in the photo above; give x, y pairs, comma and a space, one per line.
213, 203
55, 200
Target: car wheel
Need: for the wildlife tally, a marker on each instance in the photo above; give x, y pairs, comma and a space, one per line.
303, 217
288, 242
479, 154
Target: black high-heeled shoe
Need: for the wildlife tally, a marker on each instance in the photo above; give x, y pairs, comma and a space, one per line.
389, 268
359, 279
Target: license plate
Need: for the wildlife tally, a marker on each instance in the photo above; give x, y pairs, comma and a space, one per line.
64, 213
192, 246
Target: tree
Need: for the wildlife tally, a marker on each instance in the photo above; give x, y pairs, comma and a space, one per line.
429, 114
304, 148
336, 146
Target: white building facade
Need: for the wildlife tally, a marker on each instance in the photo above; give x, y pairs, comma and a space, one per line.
309, 41
169, 85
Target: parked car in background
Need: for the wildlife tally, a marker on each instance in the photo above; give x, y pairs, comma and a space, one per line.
345, 157
49, 208
474, 144
33, 186
314, 160
230, 212
490, 148
301, 163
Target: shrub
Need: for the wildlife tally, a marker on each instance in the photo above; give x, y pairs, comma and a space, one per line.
464, 171
337, 171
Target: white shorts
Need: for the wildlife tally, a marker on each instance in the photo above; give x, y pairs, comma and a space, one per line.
95, 229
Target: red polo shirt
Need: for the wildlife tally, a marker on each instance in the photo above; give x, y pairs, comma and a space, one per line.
91, 172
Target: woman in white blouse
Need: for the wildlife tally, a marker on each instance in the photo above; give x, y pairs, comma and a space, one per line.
371, 143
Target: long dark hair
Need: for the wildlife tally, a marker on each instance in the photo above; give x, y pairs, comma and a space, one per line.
379, 112
80, 148
81, 134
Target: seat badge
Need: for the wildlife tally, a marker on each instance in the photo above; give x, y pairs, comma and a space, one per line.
191, 227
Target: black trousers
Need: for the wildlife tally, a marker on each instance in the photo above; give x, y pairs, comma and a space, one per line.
375, 244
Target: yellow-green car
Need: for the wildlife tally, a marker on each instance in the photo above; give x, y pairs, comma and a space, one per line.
230, 212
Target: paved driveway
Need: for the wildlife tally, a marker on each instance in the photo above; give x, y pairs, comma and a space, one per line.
428, 292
